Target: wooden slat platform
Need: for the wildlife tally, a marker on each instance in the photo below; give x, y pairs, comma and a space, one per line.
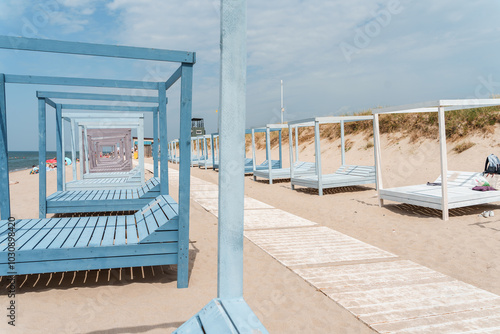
345, 176
300, 168
313, 245
223, 316
460, 193
404, 297
84, 243
103, 200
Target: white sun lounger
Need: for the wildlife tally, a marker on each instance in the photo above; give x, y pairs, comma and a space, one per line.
460, 193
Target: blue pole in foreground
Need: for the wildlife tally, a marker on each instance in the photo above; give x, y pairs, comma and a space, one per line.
232, 148
42, 157
4, 155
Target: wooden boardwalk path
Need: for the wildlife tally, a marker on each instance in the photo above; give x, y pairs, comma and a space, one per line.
387, 293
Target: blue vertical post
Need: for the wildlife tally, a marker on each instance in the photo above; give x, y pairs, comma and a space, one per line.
280, 149
232, 149
59, 153
73, 148
4, 154
212, 142
184, 173
42, 157
162, 108
268, 154
155, 143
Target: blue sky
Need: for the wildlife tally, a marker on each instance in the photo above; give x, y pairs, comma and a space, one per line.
335, 57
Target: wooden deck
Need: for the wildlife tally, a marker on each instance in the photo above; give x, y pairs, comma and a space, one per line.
84, 243
103, 200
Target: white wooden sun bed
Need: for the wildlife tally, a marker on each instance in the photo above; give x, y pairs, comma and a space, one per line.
300, 168
460, 193
348, 175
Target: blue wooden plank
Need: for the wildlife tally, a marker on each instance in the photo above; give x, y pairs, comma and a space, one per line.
86, 234
91, 264
161, 236
20, 224
242, 316
59, 152
142, 230
48, 236
4, 152
131, 230
150, 220
97, 97
169, 225
98, 107
42, 157
184, 174
91, 49
214, 319
155, 144
120, 231
173, 78
75, 233
192, 326
36, 231
91, 252
98, 234
109, 233
162, 110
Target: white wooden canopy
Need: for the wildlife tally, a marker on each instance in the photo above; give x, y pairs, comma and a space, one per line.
441, 107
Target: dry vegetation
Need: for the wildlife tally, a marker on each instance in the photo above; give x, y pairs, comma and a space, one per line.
416, 126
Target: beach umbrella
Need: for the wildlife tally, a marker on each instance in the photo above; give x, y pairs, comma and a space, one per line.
68, 160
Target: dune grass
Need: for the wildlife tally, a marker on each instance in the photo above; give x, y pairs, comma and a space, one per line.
416, 126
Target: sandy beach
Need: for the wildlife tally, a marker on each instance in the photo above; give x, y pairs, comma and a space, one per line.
103, 302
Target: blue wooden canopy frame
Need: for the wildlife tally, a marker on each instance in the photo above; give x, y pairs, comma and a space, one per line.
183, 72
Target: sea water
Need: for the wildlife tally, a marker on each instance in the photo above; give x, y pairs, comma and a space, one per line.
19, 160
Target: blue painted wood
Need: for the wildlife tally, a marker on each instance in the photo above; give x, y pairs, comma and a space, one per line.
96, 97
281, 148
24, 268
221, 316
71, 253
59, 148
155, 144
162, 106
80, 82
91, 49
107, 108
42, 157
184, 174
232, 153
173, 78
4, 153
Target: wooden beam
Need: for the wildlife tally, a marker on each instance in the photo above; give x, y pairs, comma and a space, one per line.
79, 82
184, 173
91, 49
42, 157
4, 155
232, 149
97, 97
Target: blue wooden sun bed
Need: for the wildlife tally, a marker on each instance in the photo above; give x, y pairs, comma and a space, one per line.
103, 200
149, 237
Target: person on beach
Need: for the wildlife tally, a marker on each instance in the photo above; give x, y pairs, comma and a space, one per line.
34, 170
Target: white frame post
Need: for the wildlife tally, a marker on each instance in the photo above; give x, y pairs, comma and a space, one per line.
444, 163
317, 139
378, 158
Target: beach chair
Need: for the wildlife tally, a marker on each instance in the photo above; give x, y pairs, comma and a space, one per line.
103, 200
148, 238
460, 193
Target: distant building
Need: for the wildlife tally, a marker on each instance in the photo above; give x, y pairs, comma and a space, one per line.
197, 127
148, 146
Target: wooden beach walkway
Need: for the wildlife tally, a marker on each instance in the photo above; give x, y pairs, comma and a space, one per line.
385, 292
